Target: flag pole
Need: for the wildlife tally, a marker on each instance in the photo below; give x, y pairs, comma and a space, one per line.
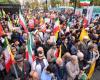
15, 71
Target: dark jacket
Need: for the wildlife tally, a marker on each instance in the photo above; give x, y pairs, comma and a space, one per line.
23, 75
59, 72
65, 48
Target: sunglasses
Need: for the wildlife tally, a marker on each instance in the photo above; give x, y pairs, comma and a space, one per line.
40, 52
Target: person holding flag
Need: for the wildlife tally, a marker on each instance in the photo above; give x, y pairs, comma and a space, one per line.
20, 70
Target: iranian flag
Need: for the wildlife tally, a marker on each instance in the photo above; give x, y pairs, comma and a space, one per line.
56, 28
9, 58
1, 30
23, 22
30, 56
85, 2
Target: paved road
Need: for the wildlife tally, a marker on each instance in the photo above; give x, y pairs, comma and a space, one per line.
96, 75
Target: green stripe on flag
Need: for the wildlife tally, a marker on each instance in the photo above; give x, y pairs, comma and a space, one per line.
29, 44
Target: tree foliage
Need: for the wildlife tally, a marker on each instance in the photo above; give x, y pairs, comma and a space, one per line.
9, 1
55, 2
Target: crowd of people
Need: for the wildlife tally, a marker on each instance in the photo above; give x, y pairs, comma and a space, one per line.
51, 56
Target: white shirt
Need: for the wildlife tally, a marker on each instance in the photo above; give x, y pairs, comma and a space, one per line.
37, 67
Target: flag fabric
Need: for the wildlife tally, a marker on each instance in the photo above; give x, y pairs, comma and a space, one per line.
47, 20
31, 23
10, 25
30, 56
3, 13
0, 14
56, 53
9, 58
85, 2
85, 22
56, 28
1, 30
83, 34
91, 71
89, 13
41, 21
23, 22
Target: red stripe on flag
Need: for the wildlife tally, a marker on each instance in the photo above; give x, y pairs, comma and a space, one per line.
84, 4
33, 57
56, 29
27, 55
23, 25
85, 23
57, 53
8, 65
1, 30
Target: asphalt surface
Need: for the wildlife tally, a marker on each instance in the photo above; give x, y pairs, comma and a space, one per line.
96, 75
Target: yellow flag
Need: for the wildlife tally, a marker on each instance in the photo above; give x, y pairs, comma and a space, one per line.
60, 52
83, 34
56, 36
41, 21
91, 71
9, 49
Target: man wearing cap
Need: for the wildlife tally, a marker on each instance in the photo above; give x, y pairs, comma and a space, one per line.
20, 70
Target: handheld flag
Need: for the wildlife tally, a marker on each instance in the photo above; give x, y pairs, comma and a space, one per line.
9, 58
85, 2
29, 52
3, 13
91, 71
56, 28
1, 30
22, 22
83, 34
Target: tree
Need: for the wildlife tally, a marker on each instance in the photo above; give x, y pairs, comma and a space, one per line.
96, 2
54, 3
9, 1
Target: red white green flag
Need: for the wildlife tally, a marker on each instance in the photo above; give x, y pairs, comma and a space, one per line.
56, 28
30, 56
9, 57
85, 2
23, 22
